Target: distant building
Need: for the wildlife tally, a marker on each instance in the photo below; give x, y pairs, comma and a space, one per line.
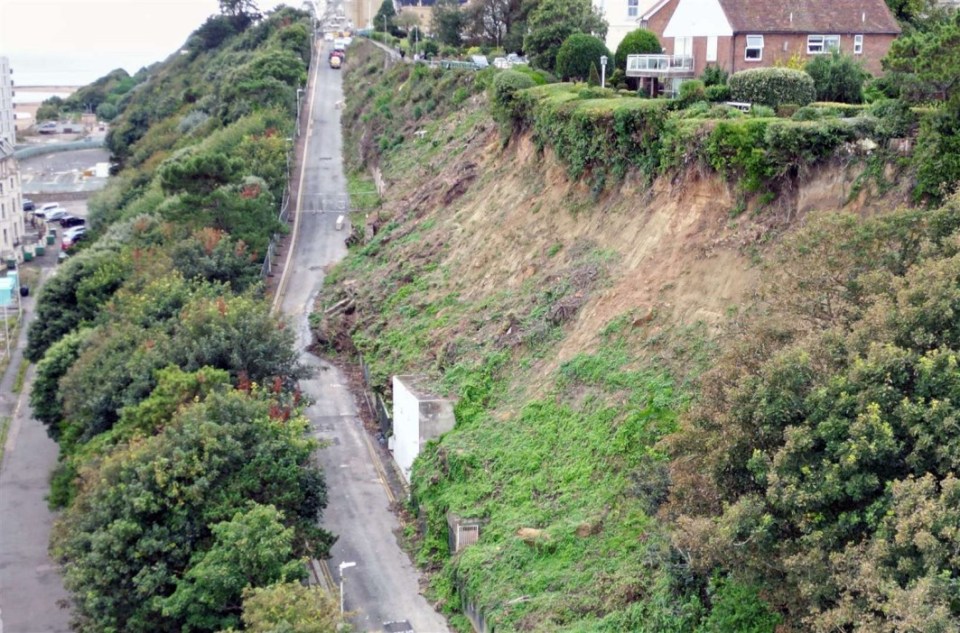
8, 128
740, 34
11, 202
418, 417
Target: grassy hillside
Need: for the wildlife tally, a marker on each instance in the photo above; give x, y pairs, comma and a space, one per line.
570, 264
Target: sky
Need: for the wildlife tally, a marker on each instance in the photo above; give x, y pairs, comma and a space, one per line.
74, 42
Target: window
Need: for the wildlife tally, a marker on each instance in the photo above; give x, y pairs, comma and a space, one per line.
683, 46
754, 50
819, 44
858, 45
633, 8
711, 48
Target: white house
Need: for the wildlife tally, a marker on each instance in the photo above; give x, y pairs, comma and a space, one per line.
622, 16
418, 417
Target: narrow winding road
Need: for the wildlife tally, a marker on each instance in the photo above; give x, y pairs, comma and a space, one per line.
383, 587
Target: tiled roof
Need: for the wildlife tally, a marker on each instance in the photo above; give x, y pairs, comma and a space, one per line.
810, 16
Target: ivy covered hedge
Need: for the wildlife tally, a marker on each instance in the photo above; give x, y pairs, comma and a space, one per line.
598, 137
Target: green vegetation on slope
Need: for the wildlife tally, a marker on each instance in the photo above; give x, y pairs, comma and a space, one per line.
804, 484
186, 474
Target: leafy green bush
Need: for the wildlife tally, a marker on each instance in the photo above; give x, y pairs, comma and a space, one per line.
762, 111
896, 119
717, 93
713, 75
772, 86
636, 42
692, 91
937, 156
505, 87
837, 77
577, 54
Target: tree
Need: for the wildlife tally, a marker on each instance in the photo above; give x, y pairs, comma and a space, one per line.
489, 21
107, 111
160, 515
383, 20
553, 21
449, 22
917, 14
242, 13
199, 174
931, 61
637, 42
253, 549
577, 55
837, 77
290, 606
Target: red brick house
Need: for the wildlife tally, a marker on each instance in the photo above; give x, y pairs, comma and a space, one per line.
741, 34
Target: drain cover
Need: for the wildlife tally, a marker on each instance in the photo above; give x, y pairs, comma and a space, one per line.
400, 626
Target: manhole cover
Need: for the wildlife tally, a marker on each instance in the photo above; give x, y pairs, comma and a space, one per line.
401, 626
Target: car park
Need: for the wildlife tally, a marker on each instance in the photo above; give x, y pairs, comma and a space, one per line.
28, 204
68, 221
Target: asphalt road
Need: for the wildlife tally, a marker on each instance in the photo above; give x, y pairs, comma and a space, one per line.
30, 584
383, 588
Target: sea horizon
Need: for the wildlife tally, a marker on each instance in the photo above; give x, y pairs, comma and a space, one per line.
74, 70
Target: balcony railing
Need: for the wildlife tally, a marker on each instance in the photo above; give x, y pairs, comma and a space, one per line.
659, 65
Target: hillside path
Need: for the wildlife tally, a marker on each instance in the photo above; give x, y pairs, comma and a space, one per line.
31, 588
383, 587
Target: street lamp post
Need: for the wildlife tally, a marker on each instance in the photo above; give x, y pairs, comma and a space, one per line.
299, 94
603, 71
341, 567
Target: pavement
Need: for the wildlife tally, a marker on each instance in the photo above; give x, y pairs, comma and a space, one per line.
31, 588
62, 172
380, 584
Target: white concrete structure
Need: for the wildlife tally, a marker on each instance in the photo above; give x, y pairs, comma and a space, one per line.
622, 16
8, 127
418, 417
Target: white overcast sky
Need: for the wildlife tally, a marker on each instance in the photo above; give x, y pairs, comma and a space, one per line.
47, 40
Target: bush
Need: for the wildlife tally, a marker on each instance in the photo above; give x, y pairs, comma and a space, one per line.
429, 48
773, 86
714, 76
692, 91
787, 110
937, 156
762, 111
505, 87
807, 113
638, 42
717, 93
577, 53
895, 118
106, 111
837, 78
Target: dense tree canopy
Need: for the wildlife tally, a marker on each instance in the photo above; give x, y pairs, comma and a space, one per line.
929, 59
578, 54
637, 42
552, 22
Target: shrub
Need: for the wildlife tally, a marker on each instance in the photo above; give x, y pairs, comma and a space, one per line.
638, 42
787, 110
505, 87
895, 118
692, 91
937, 156
429, 48
762, 111
773, 86
577, 53
807, 113
717, 93
618, 79
714, 76
837, 78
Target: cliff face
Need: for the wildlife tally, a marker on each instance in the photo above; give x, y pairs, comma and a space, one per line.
571, 324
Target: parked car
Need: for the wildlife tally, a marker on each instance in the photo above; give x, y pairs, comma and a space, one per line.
45, 209
72, 237
47, 127
56, 215
28, 204
68, 221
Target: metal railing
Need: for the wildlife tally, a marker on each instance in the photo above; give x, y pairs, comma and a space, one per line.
659, 64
